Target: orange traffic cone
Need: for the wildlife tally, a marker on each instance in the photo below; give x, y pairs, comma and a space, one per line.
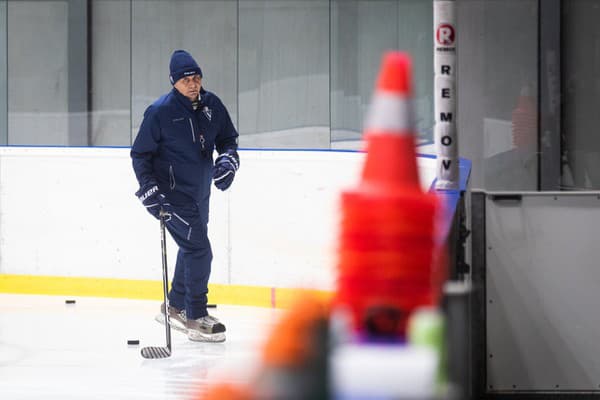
391, 161
387, 229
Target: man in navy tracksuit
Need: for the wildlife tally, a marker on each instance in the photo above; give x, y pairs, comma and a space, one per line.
173, 161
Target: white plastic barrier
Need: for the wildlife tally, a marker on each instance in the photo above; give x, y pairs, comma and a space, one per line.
72, 212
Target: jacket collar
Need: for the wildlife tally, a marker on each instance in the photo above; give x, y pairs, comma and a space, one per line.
185, 101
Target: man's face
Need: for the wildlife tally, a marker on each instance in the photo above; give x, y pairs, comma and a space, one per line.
189, 86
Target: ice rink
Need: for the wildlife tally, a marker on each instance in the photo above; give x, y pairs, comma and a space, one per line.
51, 350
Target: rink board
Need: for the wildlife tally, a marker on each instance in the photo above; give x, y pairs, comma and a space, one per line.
71, 213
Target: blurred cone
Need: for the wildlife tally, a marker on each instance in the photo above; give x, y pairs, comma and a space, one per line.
385, 264
391, 157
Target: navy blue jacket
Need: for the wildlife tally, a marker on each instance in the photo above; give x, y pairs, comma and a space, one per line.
174, 146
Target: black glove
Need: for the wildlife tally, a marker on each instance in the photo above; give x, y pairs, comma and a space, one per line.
153, 200
226, 165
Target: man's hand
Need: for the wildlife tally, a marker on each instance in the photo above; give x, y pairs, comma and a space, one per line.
153, 200
226, 165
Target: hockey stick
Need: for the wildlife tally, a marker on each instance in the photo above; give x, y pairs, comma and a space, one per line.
162, 352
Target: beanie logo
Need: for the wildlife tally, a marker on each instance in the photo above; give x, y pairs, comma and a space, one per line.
207, 113
186, 73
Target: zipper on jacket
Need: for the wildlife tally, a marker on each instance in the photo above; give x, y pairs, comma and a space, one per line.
202, 141
171, 178
189, 234
193, 133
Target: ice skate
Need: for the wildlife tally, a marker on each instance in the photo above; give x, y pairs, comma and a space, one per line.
205, 329
177, 318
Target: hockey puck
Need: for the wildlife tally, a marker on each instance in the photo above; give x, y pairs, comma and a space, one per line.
69, 301
211, 306
133, 342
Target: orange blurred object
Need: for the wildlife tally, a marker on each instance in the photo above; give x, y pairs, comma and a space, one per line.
294, 357
292, 341
224, 391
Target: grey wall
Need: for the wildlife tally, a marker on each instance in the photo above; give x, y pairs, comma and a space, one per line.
581, 91
541, 292
37, 72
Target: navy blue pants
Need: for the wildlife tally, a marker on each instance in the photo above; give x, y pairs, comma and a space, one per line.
188, 227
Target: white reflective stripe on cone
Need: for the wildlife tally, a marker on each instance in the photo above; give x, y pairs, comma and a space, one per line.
390, 112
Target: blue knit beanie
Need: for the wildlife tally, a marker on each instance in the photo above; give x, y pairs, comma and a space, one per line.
182, 64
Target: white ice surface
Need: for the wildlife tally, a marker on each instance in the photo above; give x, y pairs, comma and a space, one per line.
50, 350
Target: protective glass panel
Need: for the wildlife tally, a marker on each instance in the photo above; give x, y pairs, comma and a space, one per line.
497, 94
38, 90
206, 29
361, 31
110, 78
284, 74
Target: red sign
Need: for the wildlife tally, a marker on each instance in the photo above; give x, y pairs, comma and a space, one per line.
445, 35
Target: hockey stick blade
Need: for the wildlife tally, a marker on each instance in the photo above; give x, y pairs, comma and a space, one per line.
156, 352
